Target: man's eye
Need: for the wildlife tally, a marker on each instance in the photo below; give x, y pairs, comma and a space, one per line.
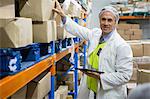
109, 20
103, 19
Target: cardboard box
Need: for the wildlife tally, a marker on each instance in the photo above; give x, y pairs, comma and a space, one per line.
68, 77
125, 36
69, 97
145, 66
61, 92
45, 32
71, 9
61, 32
46, 97
56, 95
146, 48
143, 76
15, 32
124, 26
137, 49
144, 59
7, 9
70, 85
38, 10
39, 87
134, 41
135, 26
20, 94
136, 34
62, 77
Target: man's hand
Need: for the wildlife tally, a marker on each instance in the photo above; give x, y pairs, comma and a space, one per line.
92, 74
59, 10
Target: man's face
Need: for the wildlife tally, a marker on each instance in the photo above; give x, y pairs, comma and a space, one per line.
107, 22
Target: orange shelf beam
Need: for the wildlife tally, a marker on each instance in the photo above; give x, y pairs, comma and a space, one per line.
134, 17
62, 54
10, 84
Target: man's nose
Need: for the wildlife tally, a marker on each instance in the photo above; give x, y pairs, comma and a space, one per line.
106, 22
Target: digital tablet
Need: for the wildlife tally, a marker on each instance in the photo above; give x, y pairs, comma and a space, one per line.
86, 70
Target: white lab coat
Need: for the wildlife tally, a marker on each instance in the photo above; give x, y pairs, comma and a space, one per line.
115, 60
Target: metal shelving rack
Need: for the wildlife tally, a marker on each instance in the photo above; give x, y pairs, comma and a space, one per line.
11, 84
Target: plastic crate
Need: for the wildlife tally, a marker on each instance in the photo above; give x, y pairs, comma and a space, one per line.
30, 52
10, 61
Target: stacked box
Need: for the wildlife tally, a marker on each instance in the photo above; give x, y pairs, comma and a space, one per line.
137, 49
45, 31
70, 85
61, 32
145, 66
7, 9
74, 10
46, 97
69, 76
143, 76
130, 31
39, 87
135, 26
61, 92
38, 10
124, 26
142, 62
146, 48
69, 97
136, 34
124, 34
15, 32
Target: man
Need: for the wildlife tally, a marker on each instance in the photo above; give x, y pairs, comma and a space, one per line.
107, 52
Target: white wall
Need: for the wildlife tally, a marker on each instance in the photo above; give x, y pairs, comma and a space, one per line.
93, 19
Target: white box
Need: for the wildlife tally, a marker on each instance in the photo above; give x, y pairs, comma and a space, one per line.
45, 32
39, 87
61, 32
15, 32
38, 10
7, 9
61, 92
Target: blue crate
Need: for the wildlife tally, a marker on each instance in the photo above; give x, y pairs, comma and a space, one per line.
69, 42
10, 61
30, 52
140, 14
58, 46
76, 40
64, 43
47, 48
